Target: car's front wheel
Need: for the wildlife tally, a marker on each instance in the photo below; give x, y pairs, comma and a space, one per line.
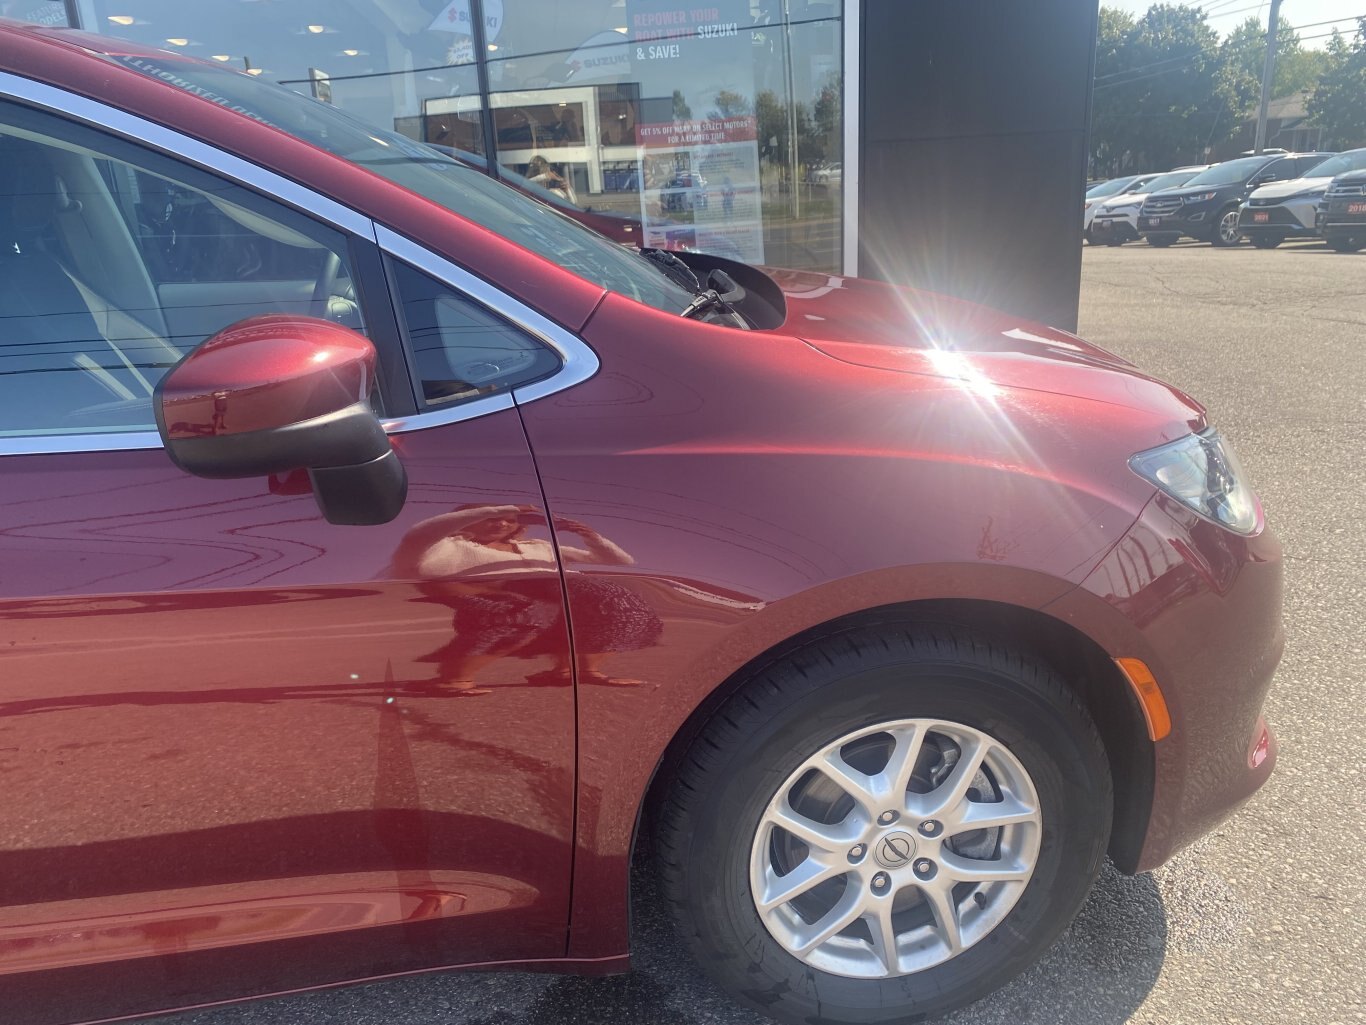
1226, 231
1266, 240
1348, 243
885, 825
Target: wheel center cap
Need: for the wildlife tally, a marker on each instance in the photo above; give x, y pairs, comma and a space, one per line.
895, 850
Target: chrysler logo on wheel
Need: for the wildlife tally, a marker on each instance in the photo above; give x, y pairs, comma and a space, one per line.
894, 850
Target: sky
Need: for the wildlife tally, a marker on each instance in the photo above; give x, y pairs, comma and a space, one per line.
1227, 14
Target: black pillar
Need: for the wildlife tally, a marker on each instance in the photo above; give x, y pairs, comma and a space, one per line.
974, 139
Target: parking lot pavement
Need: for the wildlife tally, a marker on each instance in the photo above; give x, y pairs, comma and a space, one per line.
1264, 921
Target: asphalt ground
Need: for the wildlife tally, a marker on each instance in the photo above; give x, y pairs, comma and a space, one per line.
1262, 922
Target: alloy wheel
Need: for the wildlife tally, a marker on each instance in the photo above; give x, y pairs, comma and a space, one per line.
895, 848
1228, 227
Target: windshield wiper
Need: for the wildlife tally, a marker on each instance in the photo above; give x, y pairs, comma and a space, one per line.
717, 279
705, 300
674, 269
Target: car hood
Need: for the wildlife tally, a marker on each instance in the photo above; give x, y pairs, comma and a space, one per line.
1283, 190
871, 324
1128, 199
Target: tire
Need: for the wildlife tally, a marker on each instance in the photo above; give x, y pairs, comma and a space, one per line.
1115, 241
1348, 243
953, 687
1225, 233
1265, 240
1162, 241
1090, 239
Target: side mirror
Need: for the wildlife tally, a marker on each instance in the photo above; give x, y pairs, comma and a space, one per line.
279, 392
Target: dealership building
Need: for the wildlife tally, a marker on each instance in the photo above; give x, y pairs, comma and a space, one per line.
939, 144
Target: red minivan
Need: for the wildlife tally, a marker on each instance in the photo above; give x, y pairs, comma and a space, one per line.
383, 554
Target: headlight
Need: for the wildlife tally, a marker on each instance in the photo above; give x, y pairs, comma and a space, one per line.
1201, 472
1125, 206
1312, 194
1204, 197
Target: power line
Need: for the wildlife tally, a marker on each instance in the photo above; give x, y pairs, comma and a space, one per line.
1144, 67
1331, 21
1241, 10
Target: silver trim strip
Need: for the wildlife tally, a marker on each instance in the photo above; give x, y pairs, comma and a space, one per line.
579, 362
66, 444
439, 418
136, 129
853, 63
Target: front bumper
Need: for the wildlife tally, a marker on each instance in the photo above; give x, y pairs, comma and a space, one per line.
1202, 607
1123, 226
1333, 219
1292, 217
1195, 222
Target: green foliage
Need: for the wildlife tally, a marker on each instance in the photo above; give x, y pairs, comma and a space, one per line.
1163, 96
1168, 91
1243, 52
1339, 102
730, 104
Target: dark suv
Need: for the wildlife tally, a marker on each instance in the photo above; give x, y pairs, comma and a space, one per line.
1206, 207
1342, 214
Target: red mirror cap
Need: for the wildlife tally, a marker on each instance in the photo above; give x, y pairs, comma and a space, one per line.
266, 372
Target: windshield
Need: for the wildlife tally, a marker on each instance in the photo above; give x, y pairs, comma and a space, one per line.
1170, 180
1109, 188
1352, 160
1231, 172
430, 173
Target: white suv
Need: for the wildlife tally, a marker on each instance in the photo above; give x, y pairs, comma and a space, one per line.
1114, 221
1097, 194
1282, 210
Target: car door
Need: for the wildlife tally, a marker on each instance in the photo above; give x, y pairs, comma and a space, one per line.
245, 750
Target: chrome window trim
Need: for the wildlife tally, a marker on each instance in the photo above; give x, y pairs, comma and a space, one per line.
578, 361
67, 444
456, 414
173, 143
139, 441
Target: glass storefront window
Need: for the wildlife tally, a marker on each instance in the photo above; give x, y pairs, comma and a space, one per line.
717, 126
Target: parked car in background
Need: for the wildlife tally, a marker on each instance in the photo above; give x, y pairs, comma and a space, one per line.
1282, 210
1099, 193
1342, 214
315, 443
1115, 220
1206, 207
828, 174
685, 191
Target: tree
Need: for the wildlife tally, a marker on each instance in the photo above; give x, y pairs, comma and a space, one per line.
1109, 107
828, 114
730, 104
1161, 95
1243, 53
682, 111
1339, 102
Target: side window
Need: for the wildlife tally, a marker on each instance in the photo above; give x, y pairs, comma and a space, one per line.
116, 261
1303, 164
460, 350
1281, 170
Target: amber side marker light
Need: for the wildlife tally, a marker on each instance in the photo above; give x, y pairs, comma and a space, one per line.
1149, 696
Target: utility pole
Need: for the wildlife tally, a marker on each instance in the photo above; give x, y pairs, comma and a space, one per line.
1268, 73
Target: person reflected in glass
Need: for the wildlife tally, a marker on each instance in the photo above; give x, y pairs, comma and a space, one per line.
539, 172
